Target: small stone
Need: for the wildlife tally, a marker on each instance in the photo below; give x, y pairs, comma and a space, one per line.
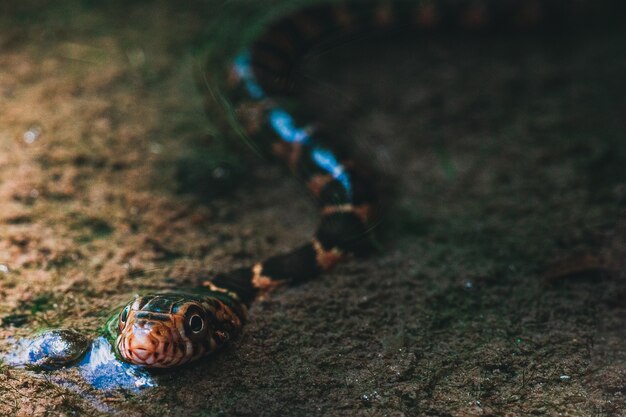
58, 348
32, 134
156, 148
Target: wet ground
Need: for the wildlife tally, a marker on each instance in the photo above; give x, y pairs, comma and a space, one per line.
499, 285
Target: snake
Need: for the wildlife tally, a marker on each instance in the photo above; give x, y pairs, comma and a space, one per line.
171, 329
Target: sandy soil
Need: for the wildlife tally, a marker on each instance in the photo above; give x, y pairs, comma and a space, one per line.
499, 285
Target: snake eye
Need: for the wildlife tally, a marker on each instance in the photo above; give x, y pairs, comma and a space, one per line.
124, 316
196, 324
194, 321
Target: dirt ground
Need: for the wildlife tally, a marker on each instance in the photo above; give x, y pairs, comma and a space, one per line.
499, 287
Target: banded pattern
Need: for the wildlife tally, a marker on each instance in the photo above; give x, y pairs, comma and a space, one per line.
167, 330
260, 76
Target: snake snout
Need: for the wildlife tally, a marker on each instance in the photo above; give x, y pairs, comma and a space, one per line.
148, 343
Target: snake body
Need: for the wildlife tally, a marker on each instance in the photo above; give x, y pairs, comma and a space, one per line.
168, 330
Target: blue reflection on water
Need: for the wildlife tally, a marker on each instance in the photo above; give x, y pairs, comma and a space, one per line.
99, 366
104, 371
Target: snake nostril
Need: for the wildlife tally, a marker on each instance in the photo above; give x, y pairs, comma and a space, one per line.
143, 324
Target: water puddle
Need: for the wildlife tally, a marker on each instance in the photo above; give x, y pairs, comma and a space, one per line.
57, 350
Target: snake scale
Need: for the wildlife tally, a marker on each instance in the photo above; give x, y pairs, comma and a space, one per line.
171, 329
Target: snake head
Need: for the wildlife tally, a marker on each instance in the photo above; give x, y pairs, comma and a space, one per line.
169, 330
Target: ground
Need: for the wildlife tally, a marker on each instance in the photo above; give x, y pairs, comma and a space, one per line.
498, 285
